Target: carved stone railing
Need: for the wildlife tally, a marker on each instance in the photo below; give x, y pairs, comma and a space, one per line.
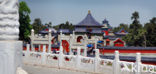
88, 64
10, 47
9, 25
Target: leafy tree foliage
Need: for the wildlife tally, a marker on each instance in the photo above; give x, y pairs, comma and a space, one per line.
151, 32
48, 25
37, 25
134, 38
66, 25
139, 35
24, 20
122, 25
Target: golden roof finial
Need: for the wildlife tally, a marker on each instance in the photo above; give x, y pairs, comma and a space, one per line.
88, 11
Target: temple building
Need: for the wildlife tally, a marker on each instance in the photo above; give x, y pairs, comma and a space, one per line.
90, 27
91, 31
122, 32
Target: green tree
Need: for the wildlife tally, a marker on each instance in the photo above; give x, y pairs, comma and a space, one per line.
142, 35
66, 25
151, 32
133, 38
48, 25
24, 20
37, 25
122, 25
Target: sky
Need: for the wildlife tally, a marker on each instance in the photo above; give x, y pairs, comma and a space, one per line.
74, 11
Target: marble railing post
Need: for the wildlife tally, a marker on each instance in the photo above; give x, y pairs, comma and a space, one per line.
39, 47
95, 42
28, 50
96, 60
44, 55
73, 36
85, 46
138, 64
27, 53
78, 58
116, 64
32, 39
10, 47
49, 39
70, 45
60, 60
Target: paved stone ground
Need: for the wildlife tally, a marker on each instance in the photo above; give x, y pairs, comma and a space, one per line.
43, 70
30, 69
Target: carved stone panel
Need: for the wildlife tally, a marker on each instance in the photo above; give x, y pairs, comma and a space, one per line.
9, 16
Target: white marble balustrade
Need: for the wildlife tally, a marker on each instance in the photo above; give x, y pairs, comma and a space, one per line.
88, 64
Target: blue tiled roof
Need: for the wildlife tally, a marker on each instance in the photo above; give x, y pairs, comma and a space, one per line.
129, 48
127, 58
64, 31
110, 37
80, 29
89, 21
119, 32
96, 31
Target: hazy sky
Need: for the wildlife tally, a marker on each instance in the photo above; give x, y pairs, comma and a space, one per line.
115, 11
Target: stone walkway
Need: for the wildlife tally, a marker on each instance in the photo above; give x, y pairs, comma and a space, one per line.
43, 70
30, 69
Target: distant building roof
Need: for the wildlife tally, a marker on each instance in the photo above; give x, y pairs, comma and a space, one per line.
106, 24
80, 30
88, 21
96, 31
110, 37
47, 30
122, 32
64, 31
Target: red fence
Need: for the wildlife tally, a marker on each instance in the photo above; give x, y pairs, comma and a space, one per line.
126, 51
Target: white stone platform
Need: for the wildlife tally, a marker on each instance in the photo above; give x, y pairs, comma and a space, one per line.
31, 69
10, 56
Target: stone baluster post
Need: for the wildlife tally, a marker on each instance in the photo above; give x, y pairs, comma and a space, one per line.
39, 47
95, 42
27, 54
78, 58
44, 55
85, 46
49, 41
28, 50
96, 60
32, 40
138, 64
61, 56
74, 40
70, 45
116, 64
10, 46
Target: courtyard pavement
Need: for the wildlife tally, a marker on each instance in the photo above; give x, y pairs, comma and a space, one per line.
30, 69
